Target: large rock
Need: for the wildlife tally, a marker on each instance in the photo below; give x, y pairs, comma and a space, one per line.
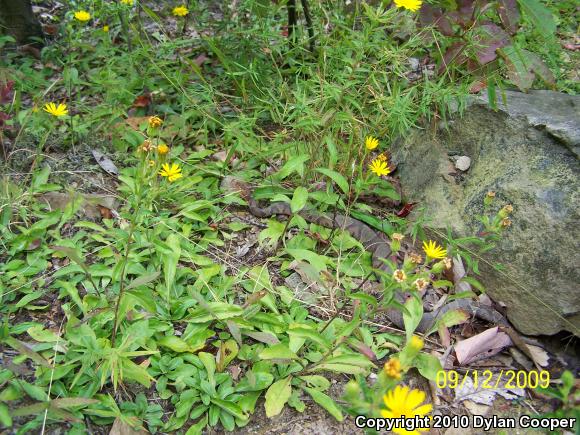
527, 153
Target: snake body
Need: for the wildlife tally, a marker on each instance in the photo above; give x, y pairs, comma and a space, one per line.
378, 244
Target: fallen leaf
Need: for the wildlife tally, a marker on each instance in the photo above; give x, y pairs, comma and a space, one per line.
481, 346
122, 428
105, 162
482, 394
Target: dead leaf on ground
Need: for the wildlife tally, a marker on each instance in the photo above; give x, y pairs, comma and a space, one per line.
482, 393
481, 346
122, 428
105, 162
90, 207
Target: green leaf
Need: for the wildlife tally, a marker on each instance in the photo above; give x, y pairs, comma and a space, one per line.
170, 260
278, 351
277, 396
72, 254
213, 311
230, 407
5, 419
337, 178
449, 319
198, 427
540, 16
326, 402
25, 350
316, 381
42, 335
412, 316
174, 343
142, 280
309, 334
428, 365
295, 164
72, 291
208, 361
347, 363
299, 199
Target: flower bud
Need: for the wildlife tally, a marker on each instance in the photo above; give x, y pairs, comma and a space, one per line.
505, 211
489, 198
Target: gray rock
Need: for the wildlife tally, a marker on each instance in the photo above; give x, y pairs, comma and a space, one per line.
535, 170
463, 163
557, 113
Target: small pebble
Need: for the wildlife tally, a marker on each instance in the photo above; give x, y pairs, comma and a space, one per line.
463, 163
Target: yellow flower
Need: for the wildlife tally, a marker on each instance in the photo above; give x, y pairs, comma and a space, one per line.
371, 142
421, 284
155, 121
55, 110
408, 403
162, 149
82, 16
180, 11
433, 250
380, 167
128, 2
382, 157
151, 163
412, 5
490, 194
416, 343
393, 368
505, 211
105, 28
399, 275
172, 172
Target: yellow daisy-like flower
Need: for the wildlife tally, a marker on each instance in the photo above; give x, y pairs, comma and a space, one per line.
172, 172
380, 167
55, 110
180, 11
162, 149
416, 343
128, 2
433, 250
399, 275
408, 403
393, 368
371, 142
82, 16
155, 121
412, 5
106, 29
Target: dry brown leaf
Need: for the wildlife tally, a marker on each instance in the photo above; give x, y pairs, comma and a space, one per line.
122, 428
481, 346
105, 162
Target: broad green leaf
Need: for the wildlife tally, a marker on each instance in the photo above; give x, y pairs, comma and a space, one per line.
278, 351
230, 407
337, 178
42, 335
5, 418
449, 319
25, 350
317, 261
208, 361
309, 334
326, 402
213, 311
73, 292
295, 164
277, 396
428, 365
72, 254
142, 280
316, 381
412, 316
197, 428
69, 402
174, 343
299, 199
170, 260
347, 363
255, 381
540, 16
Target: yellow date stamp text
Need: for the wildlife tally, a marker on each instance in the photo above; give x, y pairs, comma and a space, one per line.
488, 379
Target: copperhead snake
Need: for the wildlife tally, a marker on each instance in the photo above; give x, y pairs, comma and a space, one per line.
378, 244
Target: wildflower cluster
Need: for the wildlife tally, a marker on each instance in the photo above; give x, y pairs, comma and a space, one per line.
387, 398
498, 223
155, 152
